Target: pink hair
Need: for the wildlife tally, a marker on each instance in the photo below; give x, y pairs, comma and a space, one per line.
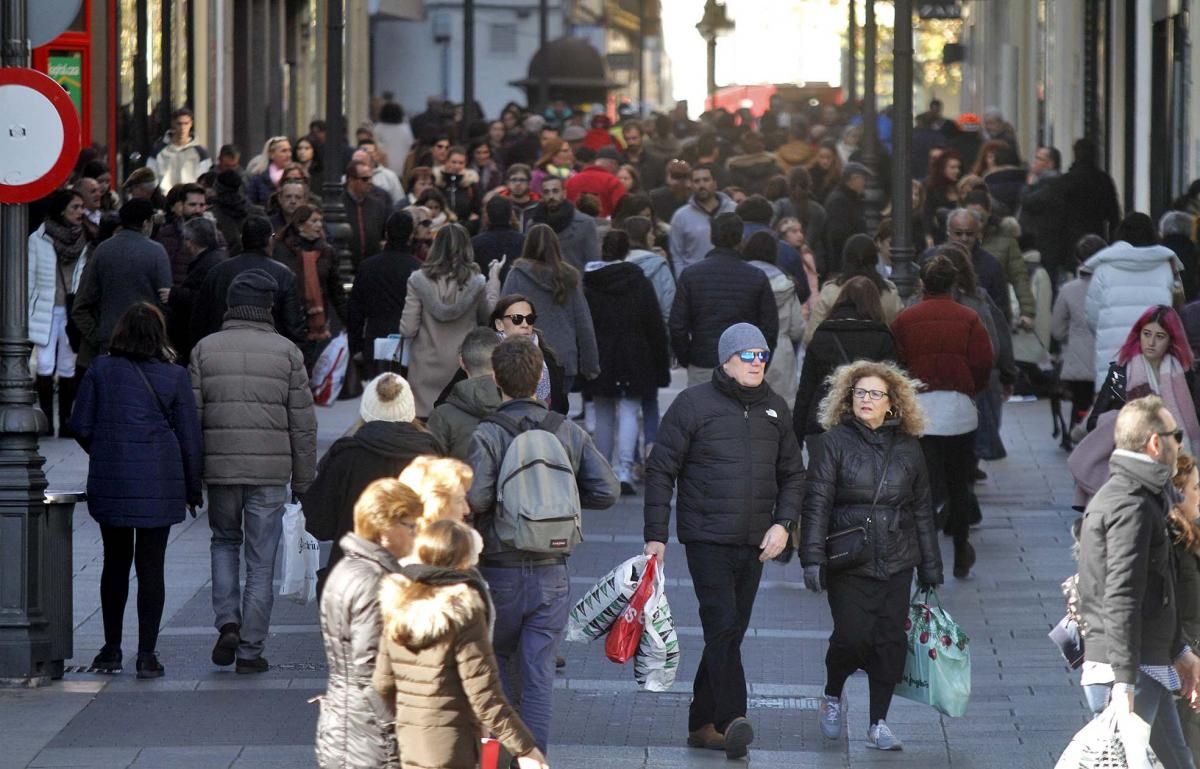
1169, 320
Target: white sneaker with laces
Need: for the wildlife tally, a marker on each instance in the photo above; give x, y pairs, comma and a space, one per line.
880, 737
831, 713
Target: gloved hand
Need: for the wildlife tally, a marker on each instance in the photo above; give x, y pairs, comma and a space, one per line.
927, 582
812, 579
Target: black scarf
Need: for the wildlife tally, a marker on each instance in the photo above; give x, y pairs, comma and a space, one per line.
560, 219
747, 396
439, 576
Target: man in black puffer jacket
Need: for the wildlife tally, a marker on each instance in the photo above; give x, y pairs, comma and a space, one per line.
1135, 651
716, 293
729, 445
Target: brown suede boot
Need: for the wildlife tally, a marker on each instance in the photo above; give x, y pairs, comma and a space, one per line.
706, 737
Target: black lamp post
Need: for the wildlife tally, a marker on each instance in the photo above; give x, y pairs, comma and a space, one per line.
852, 53
24, 639
714, 22
337, 226
903, 272
874, 193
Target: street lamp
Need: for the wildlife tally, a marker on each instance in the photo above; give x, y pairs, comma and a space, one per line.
903, 272
874, 193
337, 226
714, 22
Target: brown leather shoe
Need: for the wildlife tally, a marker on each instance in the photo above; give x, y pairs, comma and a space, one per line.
706, 737
738, 736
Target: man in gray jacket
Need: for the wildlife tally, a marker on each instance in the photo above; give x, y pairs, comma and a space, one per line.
260, 432
1136, 655
576, 230
691, 225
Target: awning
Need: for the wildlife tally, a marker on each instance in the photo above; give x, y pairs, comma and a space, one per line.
403, 10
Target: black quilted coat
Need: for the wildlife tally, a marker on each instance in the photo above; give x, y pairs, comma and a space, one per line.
901, 533
735, 457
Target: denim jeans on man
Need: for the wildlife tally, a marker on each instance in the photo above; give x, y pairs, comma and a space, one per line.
621, 414
531, 604
725, 578
1156, 706
258, 512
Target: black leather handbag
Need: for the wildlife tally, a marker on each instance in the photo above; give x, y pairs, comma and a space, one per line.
847, 548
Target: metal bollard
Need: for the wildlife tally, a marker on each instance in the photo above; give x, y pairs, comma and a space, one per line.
58, 572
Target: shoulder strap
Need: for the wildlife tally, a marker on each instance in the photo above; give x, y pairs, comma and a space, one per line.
887, 461
162, 407
507, 423
552, 422
842, 350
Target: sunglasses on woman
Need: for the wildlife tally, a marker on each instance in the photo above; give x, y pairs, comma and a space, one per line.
748, 356
518, 319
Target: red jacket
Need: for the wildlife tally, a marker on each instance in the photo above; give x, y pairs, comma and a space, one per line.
600, 183
944, 344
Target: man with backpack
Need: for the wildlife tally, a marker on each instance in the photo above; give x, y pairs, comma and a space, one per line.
534, 471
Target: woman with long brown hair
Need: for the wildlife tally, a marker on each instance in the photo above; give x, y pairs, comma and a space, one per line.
301, 245
941, 193
555, 288
557, 160
825, 170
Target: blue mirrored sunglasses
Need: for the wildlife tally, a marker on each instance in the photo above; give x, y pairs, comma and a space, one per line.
748, 356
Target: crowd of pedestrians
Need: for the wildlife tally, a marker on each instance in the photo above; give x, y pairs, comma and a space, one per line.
494, 268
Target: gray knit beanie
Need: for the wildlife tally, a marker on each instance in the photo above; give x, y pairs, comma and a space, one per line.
740, 337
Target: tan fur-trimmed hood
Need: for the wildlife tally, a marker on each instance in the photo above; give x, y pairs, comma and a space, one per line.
418, 615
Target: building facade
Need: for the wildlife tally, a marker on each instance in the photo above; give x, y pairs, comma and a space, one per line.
1118, 71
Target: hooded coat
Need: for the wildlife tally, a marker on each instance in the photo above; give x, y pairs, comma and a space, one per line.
1126, 281
355, 729
656, 268
751, 172
630, 334
453, 422
567, 327
1033, 345
1069, 325
444, 678
376, 450
438, 314
781, 375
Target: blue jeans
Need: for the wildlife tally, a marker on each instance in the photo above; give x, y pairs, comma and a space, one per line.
531, 611
258, 512
650, 418
621, 414
1156, 706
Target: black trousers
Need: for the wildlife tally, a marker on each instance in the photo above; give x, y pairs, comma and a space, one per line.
868, 634
1082, 397
951, 463
725, 578
145, 549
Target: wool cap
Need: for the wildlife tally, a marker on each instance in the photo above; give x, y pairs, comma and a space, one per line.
608, 153
574, 133
253, 288
387, 398
855, 169
738, 338
140, 176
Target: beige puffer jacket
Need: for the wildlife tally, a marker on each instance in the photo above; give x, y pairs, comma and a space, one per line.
255, 405
355, 729
444, 678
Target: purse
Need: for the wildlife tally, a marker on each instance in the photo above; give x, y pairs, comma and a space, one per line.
162, 407
847, 547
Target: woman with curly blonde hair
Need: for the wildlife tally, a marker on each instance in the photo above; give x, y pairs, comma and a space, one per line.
442, 484
1183, 524
867, 522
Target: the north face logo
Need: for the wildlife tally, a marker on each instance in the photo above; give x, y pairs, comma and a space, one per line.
771, 413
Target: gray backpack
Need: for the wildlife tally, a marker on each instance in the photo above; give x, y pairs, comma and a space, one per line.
537, 497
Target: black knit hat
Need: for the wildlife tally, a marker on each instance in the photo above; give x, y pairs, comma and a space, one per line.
229, 179
254, 288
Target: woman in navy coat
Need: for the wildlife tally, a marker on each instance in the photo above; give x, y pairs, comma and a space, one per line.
136, 418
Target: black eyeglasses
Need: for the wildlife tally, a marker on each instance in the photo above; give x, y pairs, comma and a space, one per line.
519, 320
1177, 435
862, 395
748, 356
517, 179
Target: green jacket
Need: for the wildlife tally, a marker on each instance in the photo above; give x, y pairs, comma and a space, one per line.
1004, 247
453, 422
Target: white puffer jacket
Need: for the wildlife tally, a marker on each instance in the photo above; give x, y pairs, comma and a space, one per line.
1126, 281
43, 264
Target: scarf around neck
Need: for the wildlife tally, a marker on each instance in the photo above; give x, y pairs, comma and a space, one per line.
69, 242
1169, 383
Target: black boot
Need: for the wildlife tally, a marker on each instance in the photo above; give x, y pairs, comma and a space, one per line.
45, 394
66, 400
964, 558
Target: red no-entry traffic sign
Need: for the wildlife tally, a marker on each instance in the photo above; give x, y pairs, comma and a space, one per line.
39, 135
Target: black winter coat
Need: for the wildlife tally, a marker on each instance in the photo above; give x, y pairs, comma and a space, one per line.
1126, 571
630, 335
497, 243
208, 311
901, 532
377, 450
736, 460
182, 302
860, 339
377, 298
367, 221
711, 296
845, 215
1090, 203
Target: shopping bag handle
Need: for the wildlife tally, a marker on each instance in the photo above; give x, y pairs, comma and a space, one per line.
927, 592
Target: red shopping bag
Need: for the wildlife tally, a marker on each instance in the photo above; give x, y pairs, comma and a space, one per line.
489, 753
623, 637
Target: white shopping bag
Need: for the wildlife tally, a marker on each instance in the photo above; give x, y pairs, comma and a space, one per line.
657, 659
594, 614
329, 372
1115, 739
301, 558
394, 348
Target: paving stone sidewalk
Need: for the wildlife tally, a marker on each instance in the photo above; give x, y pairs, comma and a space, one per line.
1024, 708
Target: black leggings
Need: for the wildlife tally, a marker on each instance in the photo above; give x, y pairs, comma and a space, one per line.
1082, 396
146, 549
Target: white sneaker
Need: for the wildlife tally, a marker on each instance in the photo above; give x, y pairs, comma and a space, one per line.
880, 737
831, 714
